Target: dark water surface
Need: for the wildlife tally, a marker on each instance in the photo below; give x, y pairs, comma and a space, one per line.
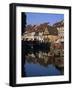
37, 60
42, 64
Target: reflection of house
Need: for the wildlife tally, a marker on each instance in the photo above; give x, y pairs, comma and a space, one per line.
44, 59
42, 32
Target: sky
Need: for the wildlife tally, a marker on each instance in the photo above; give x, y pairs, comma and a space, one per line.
40, 18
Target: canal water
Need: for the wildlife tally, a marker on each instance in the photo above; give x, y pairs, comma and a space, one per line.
42, 64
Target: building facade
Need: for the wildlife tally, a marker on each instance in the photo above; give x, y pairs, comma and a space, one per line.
42, 32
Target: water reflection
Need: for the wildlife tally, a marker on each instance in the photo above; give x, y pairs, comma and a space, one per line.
42, 64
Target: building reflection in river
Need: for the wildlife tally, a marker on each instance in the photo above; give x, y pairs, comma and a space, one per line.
42, 64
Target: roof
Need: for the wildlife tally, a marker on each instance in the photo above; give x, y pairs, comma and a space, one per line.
41, 28
59, 24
